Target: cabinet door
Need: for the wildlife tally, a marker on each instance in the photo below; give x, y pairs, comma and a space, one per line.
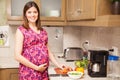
15, 9
52, 9
13, 76
8, 74
80, 9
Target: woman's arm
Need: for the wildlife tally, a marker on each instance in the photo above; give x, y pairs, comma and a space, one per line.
52, 58
18, 50
62, 66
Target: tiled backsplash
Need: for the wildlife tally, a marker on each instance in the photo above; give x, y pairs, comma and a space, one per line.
99, 37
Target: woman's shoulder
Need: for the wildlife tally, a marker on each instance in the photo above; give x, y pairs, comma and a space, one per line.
22, 28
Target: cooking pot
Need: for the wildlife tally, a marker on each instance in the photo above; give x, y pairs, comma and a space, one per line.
73, 53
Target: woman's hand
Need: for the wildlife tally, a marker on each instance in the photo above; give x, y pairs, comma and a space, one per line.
65, 67
68, 67
42, 67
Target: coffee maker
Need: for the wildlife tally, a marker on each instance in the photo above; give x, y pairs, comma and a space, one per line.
98, 63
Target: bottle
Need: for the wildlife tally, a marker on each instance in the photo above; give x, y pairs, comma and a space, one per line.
113, 72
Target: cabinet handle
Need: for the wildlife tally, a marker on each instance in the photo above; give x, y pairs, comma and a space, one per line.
79, 10
76, 12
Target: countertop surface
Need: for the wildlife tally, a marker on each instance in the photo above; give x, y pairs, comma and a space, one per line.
71, 64
8, 62
59, 77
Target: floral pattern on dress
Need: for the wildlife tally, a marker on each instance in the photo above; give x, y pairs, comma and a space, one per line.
36, 51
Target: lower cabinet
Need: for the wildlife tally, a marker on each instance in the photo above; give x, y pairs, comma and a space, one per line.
9, 74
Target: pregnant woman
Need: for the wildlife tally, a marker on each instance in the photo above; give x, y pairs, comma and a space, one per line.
31, 46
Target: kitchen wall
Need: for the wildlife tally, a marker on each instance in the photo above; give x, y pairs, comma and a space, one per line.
63, 37
99, 37
3, 17
55, 38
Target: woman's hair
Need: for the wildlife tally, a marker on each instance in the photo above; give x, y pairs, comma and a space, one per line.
25, 20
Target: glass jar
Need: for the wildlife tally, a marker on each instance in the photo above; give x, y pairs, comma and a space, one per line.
113, 71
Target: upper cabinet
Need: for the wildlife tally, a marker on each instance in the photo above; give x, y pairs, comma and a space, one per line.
15, 9
51, 11
103, 15
67, 12
80, 9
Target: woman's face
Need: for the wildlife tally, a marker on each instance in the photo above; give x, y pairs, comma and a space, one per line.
32, 15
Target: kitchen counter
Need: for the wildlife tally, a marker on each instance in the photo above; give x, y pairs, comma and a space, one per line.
86, 77
8, 62
59, 77
71, 64
54, 76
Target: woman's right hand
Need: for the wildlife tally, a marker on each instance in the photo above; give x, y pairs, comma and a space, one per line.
42, 67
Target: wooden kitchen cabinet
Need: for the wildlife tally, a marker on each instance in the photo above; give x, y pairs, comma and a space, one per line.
71, 13
15, 9
9, 74
76, 9
103, 16
80, 9
67, 9
52, 12
52, 9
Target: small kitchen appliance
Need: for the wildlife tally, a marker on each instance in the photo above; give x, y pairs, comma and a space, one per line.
98, 63
72, 54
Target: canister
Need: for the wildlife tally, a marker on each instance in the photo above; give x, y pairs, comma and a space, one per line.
113, 65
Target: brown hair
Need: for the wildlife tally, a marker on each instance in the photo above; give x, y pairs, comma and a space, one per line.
25, 20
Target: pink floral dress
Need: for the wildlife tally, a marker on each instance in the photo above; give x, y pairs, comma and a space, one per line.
36, 51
